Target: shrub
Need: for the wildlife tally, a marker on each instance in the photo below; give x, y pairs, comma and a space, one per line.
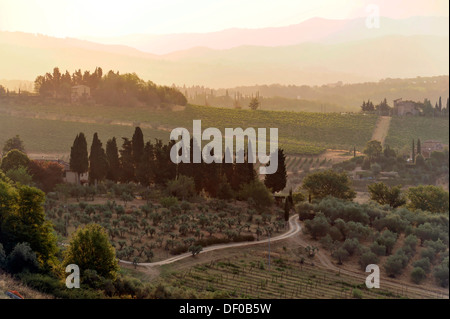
2, 257
317, 227
169, 201
423, 263
351, 245
258, 191
441, 273
367, 258
417, 275
356, 293
22, 258
378, 249
182, 188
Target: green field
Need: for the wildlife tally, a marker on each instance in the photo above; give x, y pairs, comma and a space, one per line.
48, 136
299, 133
404, 129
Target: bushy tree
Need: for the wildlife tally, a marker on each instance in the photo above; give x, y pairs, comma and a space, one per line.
428, 198
45, 174
183, 187
19, 175
441, 273
385, 195
22, 258
13, 160
258, 192
101, 255
417, 275
14, 143
329, 183
317, 227
22, 219
373, 149
254, 104
367, 258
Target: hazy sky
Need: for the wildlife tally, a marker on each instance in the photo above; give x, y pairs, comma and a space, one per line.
103, 18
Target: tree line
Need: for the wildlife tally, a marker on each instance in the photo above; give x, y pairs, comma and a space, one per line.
112, 88
149, 163
425, 108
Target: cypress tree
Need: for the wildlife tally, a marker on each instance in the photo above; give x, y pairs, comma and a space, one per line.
413, 152
126, 161
112, 155
277, 181
79, 162
419, 147
98, 162
144, 170
138, 146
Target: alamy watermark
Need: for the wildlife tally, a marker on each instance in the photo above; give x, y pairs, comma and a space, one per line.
73, 280
373, 17
212, 151
373, 280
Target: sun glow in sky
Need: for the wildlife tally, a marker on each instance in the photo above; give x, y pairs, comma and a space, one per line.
107, 18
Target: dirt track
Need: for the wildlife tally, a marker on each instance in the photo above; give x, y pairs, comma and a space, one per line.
381, 129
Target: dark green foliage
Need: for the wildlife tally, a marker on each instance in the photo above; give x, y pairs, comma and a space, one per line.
22, 219
318, 226
277, 181
428, 197
137, 142
126, 161
13, 160
258, 192
441, 273
367, 258
98, 162
383, 194
22, 258
340, 254
101, 257
112, 156
378, 249
423, 263
79, 161
329, 183
388, 239
104, 88
373, 150
182, 188
14, 143
395, 264
418, 275
2, 257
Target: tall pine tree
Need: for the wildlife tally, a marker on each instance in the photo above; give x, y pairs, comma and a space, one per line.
277, 181
98, 162
79, 162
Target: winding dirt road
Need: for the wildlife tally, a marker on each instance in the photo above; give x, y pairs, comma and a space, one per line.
294, 229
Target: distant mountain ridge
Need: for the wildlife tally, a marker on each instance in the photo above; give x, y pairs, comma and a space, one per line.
312, 30
346, 53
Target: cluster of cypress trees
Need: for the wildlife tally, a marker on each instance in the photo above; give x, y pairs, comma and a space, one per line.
150, 163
